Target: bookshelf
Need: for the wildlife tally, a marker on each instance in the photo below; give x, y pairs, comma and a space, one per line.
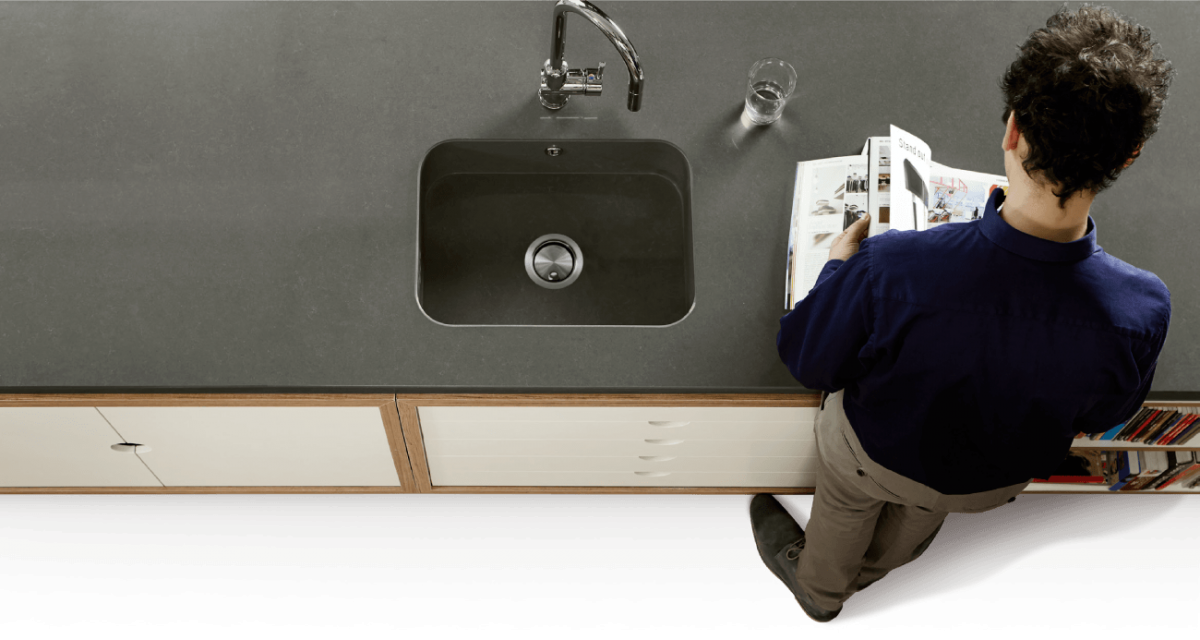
1085, 444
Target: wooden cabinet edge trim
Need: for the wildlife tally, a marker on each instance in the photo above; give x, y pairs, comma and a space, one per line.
613, 400
401, 490
198, 490
440, 399
198, 399
478, 399
410, 426
726, 490
395, 437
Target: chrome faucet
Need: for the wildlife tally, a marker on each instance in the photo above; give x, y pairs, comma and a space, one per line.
559, 82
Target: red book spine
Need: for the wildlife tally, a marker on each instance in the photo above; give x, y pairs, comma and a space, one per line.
1148, 420
1179, 428
1071, 479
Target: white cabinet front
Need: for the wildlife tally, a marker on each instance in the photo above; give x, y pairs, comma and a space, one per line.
65, 447
260, 446
620, 446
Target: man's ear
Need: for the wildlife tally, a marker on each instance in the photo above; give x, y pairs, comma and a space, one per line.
1136, 152
1011, 133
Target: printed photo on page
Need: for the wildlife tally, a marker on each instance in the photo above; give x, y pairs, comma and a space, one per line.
828, 192
958, 195
879, 178
910, 181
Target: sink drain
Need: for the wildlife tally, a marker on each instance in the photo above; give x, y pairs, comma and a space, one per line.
553, 261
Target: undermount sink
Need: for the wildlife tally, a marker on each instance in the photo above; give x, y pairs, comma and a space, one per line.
555, 232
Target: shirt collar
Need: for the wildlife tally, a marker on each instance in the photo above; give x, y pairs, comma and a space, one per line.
996, 229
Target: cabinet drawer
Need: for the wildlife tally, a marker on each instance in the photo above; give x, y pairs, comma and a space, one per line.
65, 447
616, 414
261, 446
641, 447
621, 464
615, 430
625, 479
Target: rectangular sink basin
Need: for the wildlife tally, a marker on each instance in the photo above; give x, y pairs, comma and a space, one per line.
555, 232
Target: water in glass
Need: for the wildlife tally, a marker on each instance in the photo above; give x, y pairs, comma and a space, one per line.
765, 102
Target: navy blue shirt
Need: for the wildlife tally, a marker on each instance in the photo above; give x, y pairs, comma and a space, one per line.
972, 353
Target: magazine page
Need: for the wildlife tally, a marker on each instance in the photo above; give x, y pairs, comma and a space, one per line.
879, 184
789, 278
829, 195
958, 195
910, 181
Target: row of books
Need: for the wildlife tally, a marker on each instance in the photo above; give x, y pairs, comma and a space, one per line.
1146, 470
1130, 470
1157, 426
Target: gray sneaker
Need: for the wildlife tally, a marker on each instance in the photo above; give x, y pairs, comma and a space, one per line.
780, 540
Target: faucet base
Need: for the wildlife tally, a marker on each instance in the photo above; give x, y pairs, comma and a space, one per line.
551, 85
553, 102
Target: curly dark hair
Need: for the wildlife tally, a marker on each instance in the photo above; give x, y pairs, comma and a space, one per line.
1087, 92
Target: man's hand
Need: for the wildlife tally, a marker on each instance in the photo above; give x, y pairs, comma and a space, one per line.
846, 242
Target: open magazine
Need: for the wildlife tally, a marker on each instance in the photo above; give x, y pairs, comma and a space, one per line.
895, 180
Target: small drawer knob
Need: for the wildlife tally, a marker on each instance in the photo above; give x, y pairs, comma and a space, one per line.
130, 447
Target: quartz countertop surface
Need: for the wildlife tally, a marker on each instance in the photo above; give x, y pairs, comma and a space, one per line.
223, 196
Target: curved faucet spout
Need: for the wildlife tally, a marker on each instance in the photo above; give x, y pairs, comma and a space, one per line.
609, 29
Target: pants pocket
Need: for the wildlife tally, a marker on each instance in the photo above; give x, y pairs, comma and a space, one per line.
863, 472
884, 489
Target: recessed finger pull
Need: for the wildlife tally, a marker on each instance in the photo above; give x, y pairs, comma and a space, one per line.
130, 447
670, 423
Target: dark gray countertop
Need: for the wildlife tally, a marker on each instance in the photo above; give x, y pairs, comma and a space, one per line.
222, 196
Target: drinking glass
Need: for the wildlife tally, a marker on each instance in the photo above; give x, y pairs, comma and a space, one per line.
771, 84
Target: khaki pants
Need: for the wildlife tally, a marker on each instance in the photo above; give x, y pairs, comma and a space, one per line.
866, 519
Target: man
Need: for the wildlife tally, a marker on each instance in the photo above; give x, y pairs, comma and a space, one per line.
947, 395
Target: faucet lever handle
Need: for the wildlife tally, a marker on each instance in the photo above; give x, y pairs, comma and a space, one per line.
593, 80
